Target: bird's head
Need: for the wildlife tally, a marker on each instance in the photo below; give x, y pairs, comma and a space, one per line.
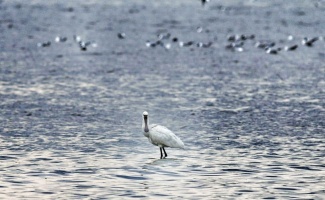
145, 123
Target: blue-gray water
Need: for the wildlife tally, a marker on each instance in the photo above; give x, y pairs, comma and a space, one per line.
253, 123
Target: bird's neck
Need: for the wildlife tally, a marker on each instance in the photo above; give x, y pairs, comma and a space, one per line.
145, 126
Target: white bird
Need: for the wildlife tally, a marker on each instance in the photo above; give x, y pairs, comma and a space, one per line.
160, 135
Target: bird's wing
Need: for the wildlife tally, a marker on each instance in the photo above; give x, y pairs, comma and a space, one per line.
161, 135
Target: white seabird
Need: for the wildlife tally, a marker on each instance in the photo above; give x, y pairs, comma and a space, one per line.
160, 136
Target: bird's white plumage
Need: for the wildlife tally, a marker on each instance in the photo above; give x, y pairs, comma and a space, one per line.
163, 137
160, 135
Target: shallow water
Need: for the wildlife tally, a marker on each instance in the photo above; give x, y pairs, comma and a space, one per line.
253, 123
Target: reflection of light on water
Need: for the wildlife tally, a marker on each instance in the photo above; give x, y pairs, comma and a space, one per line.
24, 91
108, 157
248, 134
50, 166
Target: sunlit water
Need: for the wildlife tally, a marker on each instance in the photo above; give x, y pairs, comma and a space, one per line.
253, 125
95, 150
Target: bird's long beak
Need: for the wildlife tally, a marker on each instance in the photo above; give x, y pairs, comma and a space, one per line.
145, 118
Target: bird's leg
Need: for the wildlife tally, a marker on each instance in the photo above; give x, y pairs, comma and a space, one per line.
161, 154
164, 152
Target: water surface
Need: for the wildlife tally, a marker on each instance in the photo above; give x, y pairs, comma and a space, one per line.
253, 123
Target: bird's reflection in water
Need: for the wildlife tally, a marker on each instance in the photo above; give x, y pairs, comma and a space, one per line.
155, 161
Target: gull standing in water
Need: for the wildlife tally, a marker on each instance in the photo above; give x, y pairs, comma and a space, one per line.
160, 136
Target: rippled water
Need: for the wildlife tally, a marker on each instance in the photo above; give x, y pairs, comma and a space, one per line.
253, 125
